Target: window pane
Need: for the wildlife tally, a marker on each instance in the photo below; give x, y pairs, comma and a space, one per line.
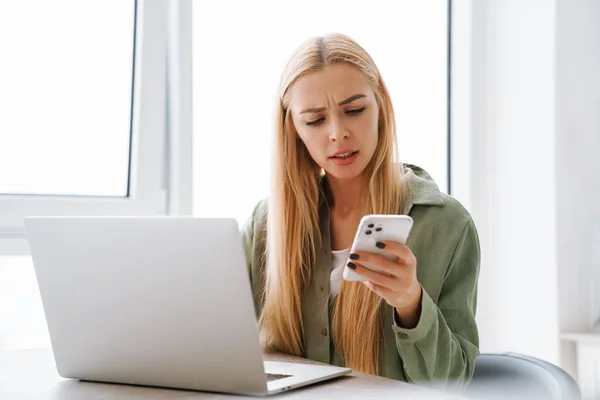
238, 59
65, 97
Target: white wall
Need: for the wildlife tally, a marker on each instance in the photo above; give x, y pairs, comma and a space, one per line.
513, 181
531, 116
22, 320
578, 167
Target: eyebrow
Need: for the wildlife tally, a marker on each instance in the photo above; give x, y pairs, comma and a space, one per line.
341, 103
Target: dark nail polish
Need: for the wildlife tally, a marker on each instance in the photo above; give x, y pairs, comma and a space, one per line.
381, 245
354, 256
350, 265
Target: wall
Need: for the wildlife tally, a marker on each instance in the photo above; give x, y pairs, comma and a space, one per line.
513, 182
578, 167
530, 114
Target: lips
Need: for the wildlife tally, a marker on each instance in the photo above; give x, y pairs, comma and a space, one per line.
342, 154
344, 159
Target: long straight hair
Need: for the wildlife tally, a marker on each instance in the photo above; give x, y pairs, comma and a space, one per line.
293, 232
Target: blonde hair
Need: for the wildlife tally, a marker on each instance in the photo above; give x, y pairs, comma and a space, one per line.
293, 233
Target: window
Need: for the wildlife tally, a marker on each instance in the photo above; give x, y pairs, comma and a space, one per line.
239, 54
82, 111
94, 120
63, 149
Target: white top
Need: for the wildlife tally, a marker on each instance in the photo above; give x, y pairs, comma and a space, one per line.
338, 260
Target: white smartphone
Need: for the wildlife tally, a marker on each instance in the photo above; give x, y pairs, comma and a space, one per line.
373, 228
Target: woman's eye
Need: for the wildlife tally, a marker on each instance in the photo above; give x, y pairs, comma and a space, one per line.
355, 111
349, 112
315, 122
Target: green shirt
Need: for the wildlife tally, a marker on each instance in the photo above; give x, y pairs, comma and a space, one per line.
443, 346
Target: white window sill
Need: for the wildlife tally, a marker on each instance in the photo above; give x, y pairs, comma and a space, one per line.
588, 362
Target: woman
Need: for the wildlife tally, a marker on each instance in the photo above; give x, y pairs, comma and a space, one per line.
334, 162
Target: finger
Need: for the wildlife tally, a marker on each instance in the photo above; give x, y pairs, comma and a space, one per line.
374, 276
403, 253
379, 290
378, 261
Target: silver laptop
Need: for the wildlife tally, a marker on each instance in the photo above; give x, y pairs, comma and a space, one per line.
158, 301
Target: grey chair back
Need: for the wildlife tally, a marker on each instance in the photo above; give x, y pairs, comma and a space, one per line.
516, 376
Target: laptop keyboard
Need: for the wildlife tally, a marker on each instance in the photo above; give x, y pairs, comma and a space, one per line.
274, 377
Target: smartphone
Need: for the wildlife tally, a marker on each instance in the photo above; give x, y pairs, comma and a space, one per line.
373, 228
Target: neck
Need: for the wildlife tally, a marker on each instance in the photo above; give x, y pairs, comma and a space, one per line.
346, 193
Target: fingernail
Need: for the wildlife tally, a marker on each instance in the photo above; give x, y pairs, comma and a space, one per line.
381, 245
354, 256
350, 265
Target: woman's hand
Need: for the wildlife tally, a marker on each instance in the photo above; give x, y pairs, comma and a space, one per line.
396, 282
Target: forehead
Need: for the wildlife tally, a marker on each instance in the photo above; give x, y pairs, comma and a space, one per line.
333, 83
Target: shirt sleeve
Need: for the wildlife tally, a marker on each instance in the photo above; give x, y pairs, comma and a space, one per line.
443, 346
253, 233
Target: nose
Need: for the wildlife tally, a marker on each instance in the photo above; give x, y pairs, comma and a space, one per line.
338, 130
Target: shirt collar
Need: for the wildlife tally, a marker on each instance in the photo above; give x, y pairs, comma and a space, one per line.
423, 189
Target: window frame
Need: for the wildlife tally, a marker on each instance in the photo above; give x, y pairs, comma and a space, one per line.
160, 173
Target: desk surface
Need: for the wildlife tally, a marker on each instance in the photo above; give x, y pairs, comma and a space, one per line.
31, 374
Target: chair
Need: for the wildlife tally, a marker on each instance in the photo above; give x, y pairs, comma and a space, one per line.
516, 376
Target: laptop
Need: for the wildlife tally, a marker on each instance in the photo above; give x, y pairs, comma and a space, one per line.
155, 301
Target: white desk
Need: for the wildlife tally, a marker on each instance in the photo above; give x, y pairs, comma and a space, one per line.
31, 374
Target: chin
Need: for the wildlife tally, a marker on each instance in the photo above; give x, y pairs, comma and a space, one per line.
347, 172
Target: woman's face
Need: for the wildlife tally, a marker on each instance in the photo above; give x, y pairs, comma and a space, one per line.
336, 116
